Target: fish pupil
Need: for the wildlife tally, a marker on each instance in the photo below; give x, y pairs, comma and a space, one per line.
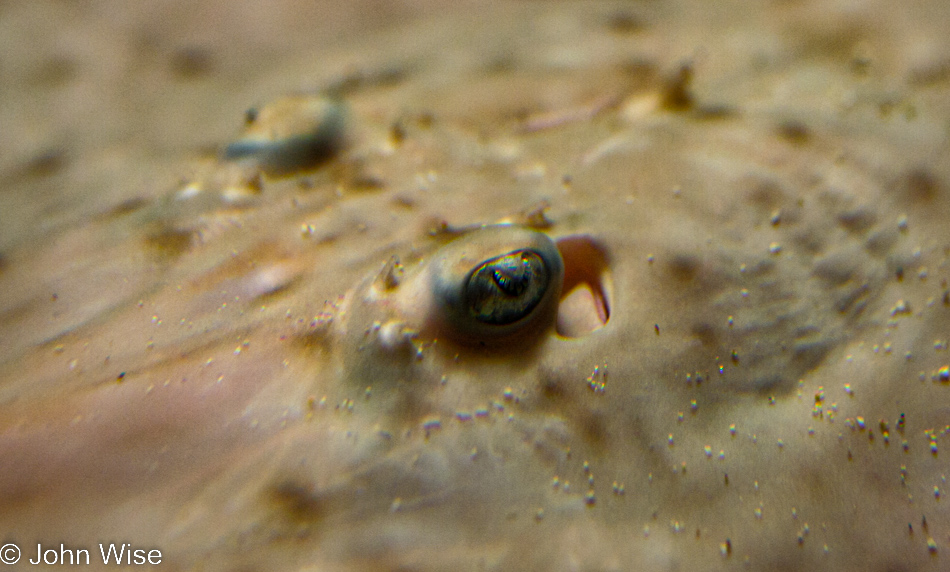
513, 277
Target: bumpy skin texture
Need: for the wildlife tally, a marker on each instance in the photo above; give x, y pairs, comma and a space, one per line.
251, 383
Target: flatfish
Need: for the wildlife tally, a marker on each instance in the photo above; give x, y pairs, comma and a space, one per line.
540, 286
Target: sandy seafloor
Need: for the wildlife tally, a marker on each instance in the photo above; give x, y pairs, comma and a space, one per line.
197, 360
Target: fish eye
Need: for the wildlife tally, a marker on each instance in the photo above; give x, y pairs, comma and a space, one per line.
496, 282
290, 135
505, 289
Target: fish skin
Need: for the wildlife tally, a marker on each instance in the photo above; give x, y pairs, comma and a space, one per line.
176, 400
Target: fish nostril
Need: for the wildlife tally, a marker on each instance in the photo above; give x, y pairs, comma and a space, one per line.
585, 305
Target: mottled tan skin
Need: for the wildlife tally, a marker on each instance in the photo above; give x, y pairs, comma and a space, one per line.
207, 377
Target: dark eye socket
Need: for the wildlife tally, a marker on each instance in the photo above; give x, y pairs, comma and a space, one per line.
505, 289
